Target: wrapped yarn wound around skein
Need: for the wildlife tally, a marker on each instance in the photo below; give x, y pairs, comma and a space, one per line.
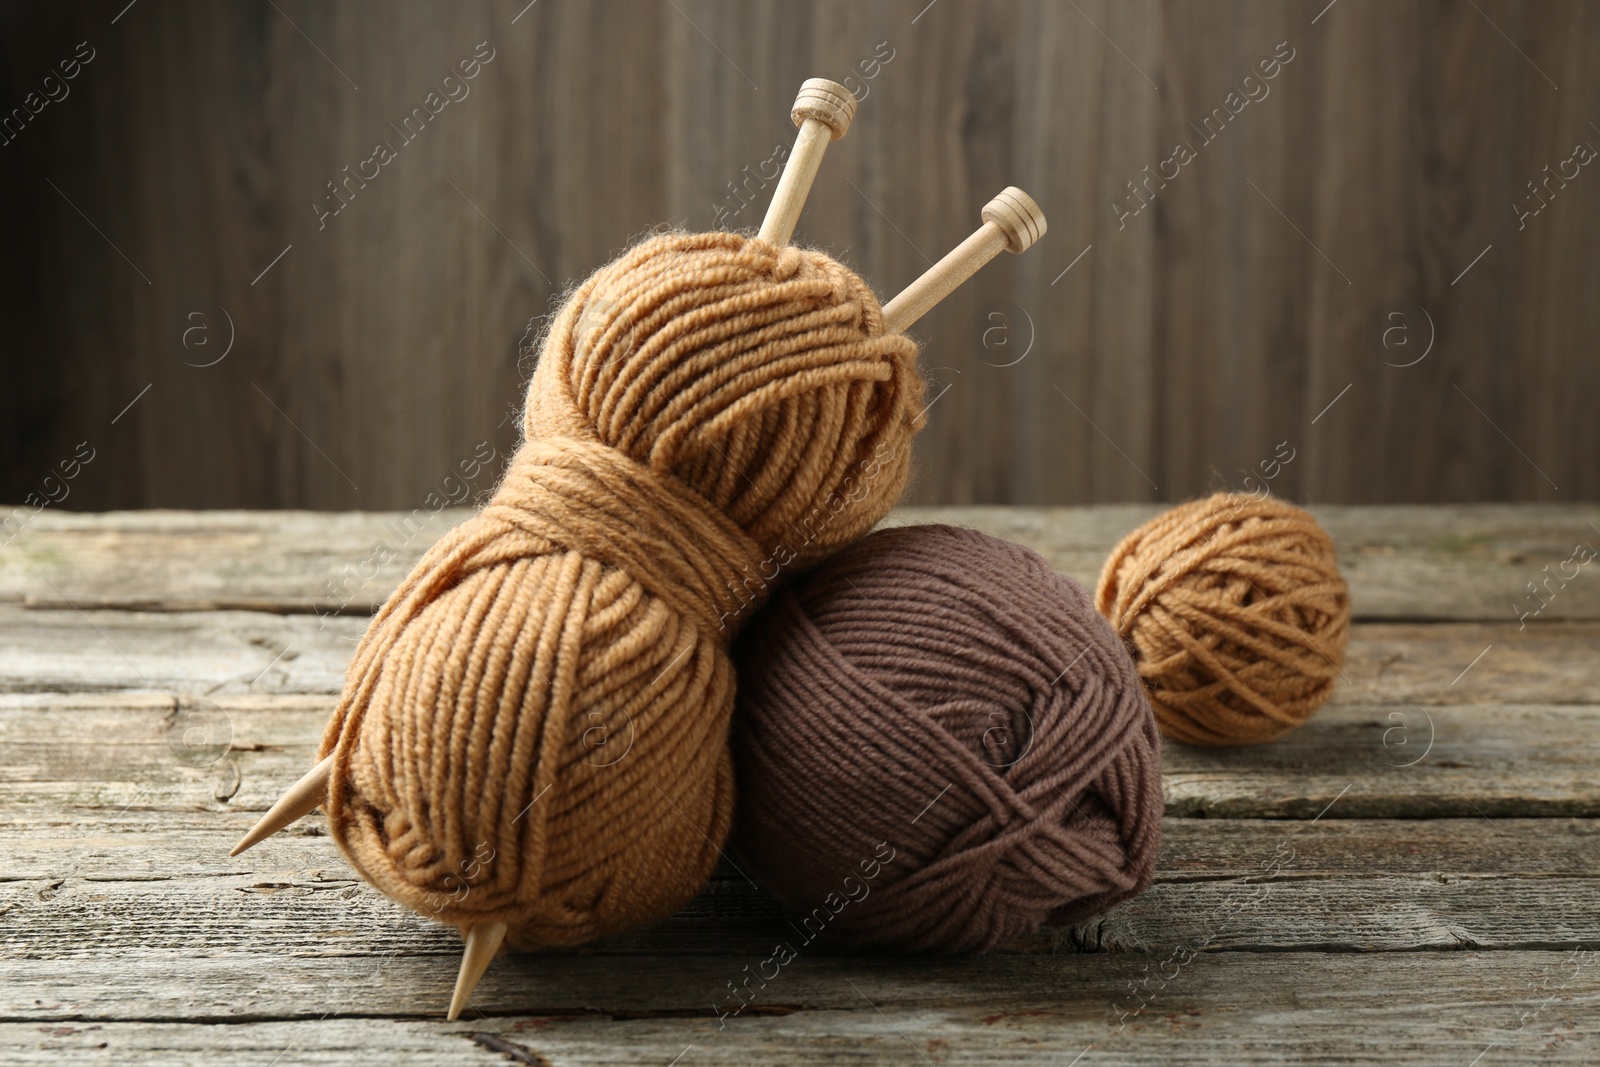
1236, 615
534, 727
941, 746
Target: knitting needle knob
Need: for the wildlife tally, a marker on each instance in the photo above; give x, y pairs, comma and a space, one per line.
1012, 222
823, 112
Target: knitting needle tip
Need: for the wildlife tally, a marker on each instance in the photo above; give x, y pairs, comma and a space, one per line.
483, 941
303, 797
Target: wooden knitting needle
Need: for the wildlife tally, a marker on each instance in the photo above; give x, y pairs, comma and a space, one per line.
483, 941
301, 799
823, 111
1011, 221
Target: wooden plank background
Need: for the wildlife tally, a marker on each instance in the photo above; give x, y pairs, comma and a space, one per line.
1376, 178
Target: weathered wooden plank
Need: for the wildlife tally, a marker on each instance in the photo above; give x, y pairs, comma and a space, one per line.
1400, 760
201, 653
237, 752
1460, 663
322, 909
1362, 915
153, 844
1235, 1007
1260, 885
248, 651
1414, 562
284, 561
1402, 562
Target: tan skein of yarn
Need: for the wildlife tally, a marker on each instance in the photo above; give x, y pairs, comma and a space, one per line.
534, 727
1236, 615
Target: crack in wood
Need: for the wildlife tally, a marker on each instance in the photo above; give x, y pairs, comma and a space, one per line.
511, 1050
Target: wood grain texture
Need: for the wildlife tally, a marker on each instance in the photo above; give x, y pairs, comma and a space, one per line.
147, 842
1243, 297
237, 751
1414, 875
206, 653
1332, 890
1419, 562
1236, 1007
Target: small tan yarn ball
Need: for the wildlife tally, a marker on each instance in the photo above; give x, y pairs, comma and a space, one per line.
1236, 614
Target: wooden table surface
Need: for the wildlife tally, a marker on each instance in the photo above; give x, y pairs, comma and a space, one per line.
1412, 877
